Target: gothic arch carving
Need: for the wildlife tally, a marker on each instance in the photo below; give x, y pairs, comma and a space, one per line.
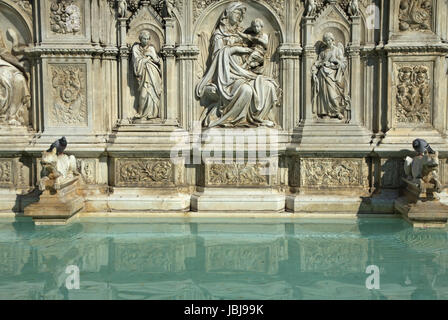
25, 28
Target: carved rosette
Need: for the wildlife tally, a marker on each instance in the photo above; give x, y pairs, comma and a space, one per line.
415, 15
144, 172
333, 173
237, 174
65, 16
69, 95
413, 94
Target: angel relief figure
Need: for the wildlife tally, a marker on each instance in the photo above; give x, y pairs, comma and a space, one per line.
238, 87
14, 93
330, 99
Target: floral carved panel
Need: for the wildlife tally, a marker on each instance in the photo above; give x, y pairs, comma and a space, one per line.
144, 172
237, 174
65, 17
413, 94
415, 15
333, 173
69, 95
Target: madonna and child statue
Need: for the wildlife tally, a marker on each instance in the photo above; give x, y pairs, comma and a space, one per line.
235, 90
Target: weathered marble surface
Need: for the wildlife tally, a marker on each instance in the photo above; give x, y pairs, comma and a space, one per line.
346, 85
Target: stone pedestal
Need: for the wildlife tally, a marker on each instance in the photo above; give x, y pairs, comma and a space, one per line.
421, 209
57, 207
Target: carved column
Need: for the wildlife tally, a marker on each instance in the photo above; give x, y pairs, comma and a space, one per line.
309, 56
290, 77
123, 113
355, 62
170, 111
187, 56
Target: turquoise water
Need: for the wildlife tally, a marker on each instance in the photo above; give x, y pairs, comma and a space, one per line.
222, 259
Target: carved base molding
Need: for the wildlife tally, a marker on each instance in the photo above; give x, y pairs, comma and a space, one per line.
235, 200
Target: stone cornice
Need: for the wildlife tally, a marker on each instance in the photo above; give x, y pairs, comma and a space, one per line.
290, 51
436, 48
187, 52
88, 51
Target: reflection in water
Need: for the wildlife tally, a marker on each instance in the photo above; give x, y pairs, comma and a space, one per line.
223, 259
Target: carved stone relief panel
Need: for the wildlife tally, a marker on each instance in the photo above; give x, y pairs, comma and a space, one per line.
413, 94
443, 172
66, 21
256, 173
88, 169
238, 41
65, 16
415, 15
68, 95
350, 7
144, 172
333, 173
7, 172
237, 174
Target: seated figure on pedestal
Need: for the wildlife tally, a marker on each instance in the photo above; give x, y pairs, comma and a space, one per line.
233, 90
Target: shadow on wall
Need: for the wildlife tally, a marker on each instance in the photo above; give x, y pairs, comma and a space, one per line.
24, 200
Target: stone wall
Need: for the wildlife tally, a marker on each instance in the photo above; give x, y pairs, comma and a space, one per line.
314, 104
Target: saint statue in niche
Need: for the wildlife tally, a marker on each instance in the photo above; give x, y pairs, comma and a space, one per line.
146, 65
234, 89
330, 99
15, 98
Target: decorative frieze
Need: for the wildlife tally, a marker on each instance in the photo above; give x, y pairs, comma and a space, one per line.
333, 173
69, 95
413, 97
237, 174
144, 172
